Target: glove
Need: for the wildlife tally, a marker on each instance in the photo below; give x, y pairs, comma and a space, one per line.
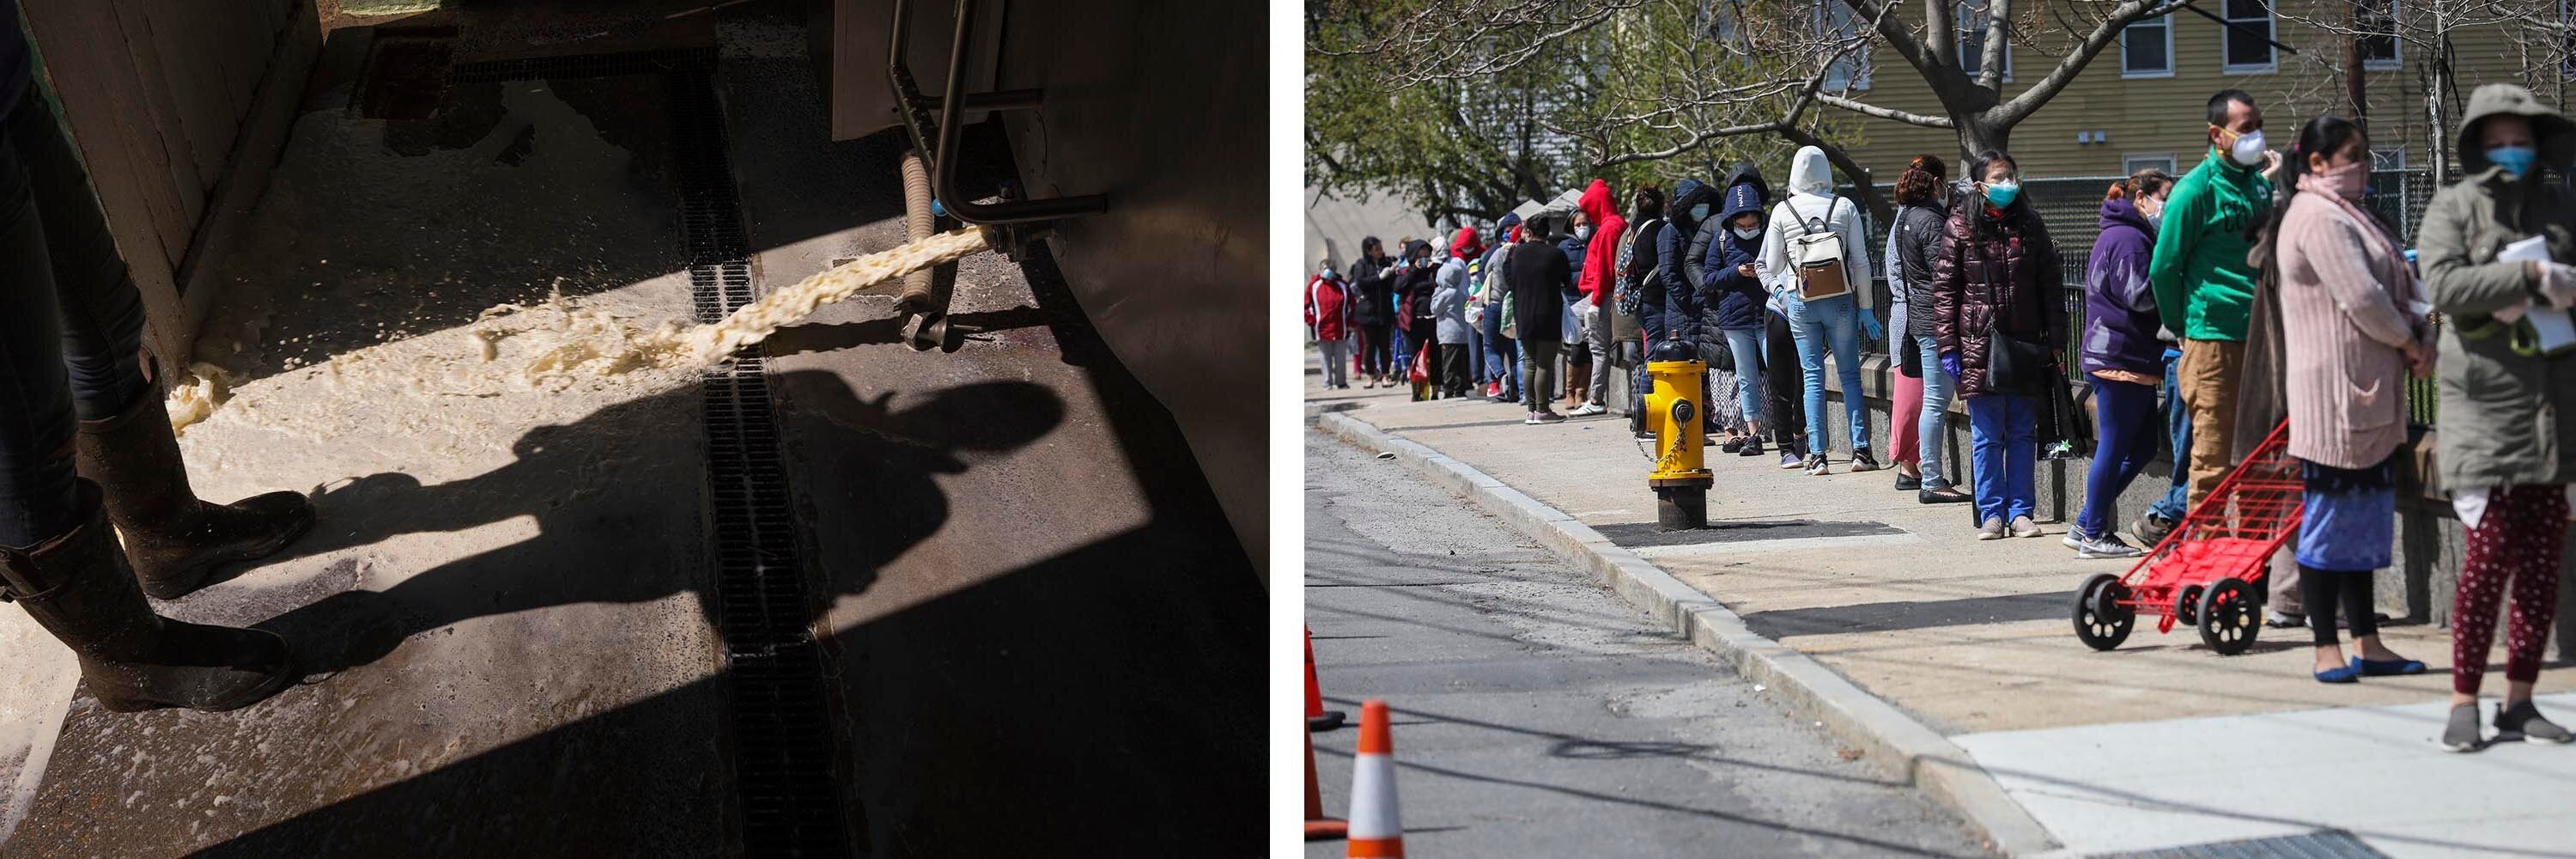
2558, 284
1869, 324
1950, 364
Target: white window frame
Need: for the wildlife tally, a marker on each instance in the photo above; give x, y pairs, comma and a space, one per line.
2167, 24
2132, 162
2396, 46
2272, 24
1859, 78
1961, 30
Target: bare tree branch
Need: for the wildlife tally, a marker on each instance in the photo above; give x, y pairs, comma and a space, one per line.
2123, 15
1887, 113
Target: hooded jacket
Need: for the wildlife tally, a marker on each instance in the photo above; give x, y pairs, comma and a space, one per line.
2506, 418
1681, 309
1373, 281
1413, 288
1812, 206
1995, 268
1328, 307
2120, 318
1449, 289
1732, 300
1644, 227
1602, 252
2199, 272
1538, 280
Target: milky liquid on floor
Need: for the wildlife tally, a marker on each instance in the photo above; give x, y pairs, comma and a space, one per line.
563, 342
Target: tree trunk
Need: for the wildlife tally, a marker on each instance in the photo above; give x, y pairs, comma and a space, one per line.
1977, 135
2437, 132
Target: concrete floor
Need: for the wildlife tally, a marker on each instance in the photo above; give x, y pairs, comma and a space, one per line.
1537, 714
1027, 573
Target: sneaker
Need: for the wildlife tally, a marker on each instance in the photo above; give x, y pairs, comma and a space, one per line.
1861, 461
2461, 735
1590, 409
2023, 527
2525, 719
1817, 466
1908, 482
2105, 546
2278, 620
1791, 460
1752, 447
1547, 417
1498, 398
2151, 528
1993, 529
1532, 419
1943, 495
1493, 389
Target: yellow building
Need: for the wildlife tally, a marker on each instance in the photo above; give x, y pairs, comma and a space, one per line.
2142, 101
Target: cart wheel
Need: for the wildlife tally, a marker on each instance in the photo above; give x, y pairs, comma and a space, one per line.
2186, 606
2101, 622
2228, 619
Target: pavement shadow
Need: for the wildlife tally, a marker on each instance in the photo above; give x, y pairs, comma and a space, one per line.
1893, 616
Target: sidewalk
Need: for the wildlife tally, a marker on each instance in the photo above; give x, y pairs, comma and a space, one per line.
2160, 743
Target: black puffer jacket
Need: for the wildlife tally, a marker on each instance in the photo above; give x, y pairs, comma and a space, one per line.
1374, 281
1918, 242
2000, 269
1675, 258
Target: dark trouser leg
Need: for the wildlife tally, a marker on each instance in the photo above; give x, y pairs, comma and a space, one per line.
102, 314
1783, 379
2361, 603
2319, 590
1453, 363
37, 500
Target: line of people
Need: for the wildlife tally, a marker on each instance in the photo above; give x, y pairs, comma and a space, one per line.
2253, 289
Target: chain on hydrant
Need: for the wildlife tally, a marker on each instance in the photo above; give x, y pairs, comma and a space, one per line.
1675, 415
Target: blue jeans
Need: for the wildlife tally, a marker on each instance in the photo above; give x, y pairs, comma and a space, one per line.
1404, 347
1475, 355
71, 323
2004, 454
1746, 346
1502, 354
2177, 501
1831, 322
1938, 388
2124, 422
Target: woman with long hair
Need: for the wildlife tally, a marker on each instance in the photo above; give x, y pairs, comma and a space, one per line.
1922, 408
2122, 356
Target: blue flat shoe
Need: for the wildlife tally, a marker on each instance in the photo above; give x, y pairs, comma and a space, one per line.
2346, 674
2389, 668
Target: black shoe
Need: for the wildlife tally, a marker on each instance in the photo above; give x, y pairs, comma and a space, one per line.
78, 587
2151, 529
1752, 447
1908, 482
1942, 495
174, 541
1732, 445
1862, 461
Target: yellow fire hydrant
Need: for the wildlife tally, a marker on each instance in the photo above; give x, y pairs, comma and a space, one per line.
1673, 412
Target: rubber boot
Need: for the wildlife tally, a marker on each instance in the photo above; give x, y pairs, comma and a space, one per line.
78, 587
175, 541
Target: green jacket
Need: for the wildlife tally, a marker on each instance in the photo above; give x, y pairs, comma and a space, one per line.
2199, 261
2499, 410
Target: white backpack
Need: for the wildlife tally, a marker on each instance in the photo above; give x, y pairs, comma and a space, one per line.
1817, 254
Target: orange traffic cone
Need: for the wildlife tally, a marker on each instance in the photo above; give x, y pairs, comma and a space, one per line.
1317, 718
1374, 830
1318, 827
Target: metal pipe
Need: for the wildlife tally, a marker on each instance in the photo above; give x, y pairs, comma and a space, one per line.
1009, 99
944, 164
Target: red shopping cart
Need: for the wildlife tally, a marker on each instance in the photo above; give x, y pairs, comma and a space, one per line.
2209, 571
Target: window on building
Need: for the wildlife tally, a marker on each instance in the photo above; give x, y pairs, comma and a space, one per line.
2135, 162
2248, 39
2146, 48
2377, 22
1836, 19
1971, 23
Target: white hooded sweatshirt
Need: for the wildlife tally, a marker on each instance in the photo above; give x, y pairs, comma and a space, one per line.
1811, 195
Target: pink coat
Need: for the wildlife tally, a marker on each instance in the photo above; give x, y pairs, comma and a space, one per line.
2343, 326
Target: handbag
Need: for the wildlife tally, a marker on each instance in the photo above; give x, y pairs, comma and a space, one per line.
2074, 424
1725, 362
1818, 257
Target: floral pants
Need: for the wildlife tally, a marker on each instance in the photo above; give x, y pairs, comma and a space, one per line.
2517, 543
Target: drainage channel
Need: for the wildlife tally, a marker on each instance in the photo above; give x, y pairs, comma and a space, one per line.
784, 742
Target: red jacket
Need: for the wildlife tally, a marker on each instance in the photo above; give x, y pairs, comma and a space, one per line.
1328, 308
1601, 254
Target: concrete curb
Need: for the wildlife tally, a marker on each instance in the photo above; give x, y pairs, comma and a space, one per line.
1902, 746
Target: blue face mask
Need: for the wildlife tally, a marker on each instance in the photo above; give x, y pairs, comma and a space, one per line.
1699, 212
2002, 194
2516, 160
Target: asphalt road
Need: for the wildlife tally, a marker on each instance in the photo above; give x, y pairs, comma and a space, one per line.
1537, 714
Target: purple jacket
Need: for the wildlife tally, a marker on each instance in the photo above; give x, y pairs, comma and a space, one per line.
2120, 318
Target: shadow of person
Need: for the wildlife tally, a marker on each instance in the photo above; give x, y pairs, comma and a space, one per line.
605, 492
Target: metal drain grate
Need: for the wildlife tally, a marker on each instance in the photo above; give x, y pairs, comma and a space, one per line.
2321, 844
786, 748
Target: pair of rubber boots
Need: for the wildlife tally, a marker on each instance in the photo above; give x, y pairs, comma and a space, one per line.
80, 587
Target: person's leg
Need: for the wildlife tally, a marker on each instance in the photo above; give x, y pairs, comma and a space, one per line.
38, 499
2361, 607
1782, 377
1334, 369
2177, 500
1986, 439
1453, 358
2118, 411
2021, 457
2540, 524
2209, 369
1476, 356
1518, 365
1540, 378
1597, 322
2320, 589
1746, 346
1904, 414
1810, 333
1938, 388
1842, 328
2486, 567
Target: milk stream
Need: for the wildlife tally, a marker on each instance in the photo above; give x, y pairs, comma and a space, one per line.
561, 342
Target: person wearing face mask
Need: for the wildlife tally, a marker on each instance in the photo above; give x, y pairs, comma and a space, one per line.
1731, 296
1834, 323
1921, 412
2122, 354
1538, 280
1575, 353
1643, 293
1413, 292
1501, 357
1692, 205
2202, 281
1328, 318
2508, 441
1449, 312
1600, 256
1373, 310
1999, 317
2348, 342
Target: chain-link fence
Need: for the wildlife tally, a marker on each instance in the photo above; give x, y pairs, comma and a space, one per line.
2071, 208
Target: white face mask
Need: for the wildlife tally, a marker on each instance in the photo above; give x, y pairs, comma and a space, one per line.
2248, 149
1748, 233
1583, 232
